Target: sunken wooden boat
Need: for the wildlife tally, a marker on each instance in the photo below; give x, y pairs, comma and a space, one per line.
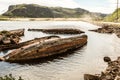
58, 31
45, 49
11, 37
18, 32
15, 46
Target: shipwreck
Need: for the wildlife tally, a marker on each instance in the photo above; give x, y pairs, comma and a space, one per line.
21, 44
11, 37
45, 48
59, 31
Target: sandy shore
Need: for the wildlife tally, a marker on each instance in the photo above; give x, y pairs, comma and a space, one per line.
89, 20
41, 19
101, 23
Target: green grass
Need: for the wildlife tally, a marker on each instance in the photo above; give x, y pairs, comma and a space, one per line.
113, 17
10, 77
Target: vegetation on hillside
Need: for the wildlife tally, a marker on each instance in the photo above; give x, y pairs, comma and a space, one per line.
37, 11
9, 77
113, 17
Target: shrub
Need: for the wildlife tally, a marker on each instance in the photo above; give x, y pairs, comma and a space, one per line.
9, 77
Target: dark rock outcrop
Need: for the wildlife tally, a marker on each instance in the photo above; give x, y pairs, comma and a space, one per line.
90, 77
112, 71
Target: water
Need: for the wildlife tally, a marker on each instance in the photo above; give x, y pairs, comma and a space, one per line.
88, 59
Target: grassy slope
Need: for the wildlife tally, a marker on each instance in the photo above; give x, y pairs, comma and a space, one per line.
37, 11
113, 17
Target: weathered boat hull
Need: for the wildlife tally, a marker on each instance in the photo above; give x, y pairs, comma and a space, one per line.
58, 31
15, 46
46, 49
11, 37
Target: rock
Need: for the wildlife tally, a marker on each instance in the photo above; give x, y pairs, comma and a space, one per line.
107, 59
90, 77
112, 71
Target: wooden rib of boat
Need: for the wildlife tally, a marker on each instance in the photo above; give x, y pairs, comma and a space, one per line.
15, 46
58, 31
45, 49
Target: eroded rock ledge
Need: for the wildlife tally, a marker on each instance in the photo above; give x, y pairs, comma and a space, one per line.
112, 71
58, 31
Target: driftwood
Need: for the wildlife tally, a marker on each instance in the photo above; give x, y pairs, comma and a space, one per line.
15, 46
45, 49
58, 31
112, 71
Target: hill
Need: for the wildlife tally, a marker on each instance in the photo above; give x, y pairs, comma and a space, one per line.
37, 11
113, 17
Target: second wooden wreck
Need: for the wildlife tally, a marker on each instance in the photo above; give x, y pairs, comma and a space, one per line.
59, 31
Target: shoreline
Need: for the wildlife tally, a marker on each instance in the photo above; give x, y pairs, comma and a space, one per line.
102, 23
42, 19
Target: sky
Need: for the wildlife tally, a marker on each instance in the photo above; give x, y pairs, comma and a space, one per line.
103, 6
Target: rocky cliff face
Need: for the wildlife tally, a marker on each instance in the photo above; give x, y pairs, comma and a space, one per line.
37, 11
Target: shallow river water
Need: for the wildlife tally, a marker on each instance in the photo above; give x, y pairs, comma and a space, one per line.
88, 59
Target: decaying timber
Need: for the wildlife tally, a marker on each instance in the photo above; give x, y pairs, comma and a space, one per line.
11, 37
45, 49
112, 71
58, 31
108, 29
18, 32
15, 46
